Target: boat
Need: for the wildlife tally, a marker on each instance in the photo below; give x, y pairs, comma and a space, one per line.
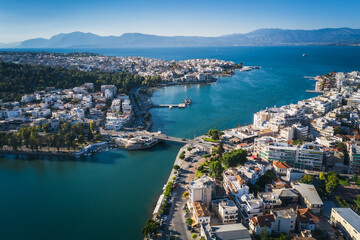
304, 55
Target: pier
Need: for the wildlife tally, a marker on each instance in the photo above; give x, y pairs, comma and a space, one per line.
314, 91
170, 106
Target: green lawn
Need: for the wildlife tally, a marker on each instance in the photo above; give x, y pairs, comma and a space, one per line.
210, 140
343, 182
357, 182
357, 202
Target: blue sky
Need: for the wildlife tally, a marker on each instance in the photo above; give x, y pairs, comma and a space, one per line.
24, 19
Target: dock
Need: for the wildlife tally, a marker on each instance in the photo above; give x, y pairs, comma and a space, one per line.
314, 91
170, 106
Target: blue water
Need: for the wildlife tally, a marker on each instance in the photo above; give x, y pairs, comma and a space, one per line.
110, 195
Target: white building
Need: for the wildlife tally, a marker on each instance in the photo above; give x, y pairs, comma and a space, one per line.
346, 220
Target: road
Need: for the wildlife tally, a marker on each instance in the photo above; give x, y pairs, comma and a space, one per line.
175, 224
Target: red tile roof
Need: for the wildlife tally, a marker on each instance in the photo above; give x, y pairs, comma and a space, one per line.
305, 215
278, 164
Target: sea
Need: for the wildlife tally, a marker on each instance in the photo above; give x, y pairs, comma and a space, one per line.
109, 195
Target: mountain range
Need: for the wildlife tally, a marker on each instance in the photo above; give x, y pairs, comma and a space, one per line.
261, 37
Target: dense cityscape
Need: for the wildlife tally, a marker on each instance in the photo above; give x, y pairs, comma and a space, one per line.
291, 174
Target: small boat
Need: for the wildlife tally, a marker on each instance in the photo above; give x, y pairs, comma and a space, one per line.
304, 55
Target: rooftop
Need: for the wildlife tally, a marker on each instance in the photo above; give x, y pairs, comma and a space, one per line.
308, 192
283, 165
350, 216
306, 215
263, 220
201, 209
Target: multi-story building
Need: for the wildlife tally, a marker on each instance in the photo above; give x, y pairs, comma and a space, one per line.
285, 220
281, 152
306, 219
309, 196
309, 156
250, 207
235, 185
202, 190
346, 220
201, 212
355, 158
226, 210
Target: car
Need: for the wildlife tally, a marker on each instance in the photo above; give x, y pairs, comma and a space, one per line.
188, 227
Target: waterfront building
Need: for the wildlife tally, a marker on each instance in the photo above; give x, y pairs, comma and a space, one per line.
347, 221
309, 196
202, 190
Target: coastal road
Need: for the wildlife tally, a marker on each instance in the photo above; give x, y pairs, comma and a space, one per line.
176, 219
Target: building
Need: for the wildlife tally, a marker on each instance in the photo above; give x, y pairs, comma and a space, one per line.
285, 220
259, 223
306, 219
270, 201
309, 156
250, 207
293, 174
286, 195
281, 152
235, 185
202, 190
201, 212
225, 232
309, 196
355, 158
280, 167
346, 220
226, 210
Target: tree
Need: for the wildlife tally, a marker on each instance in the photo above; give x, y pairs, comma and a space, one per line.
81, 139
92, 126
182, 155
176, 167
90, 136
342, 147
234, 158
194, 236
189, 221
151, 228
322, 176
339, 130
185, 195
332, 181
45, 127
307, 178
264, 235
216, 169
221, 149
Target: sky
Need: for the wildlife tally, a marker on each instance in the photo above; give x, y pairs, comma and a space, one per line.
25, 19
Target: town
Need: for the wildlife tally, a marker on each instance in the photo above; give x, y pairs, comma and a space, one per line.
169, 71
292, 174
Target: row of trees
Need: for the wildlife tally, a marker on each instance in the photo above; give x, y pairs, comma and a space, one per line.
18, 79
69, 136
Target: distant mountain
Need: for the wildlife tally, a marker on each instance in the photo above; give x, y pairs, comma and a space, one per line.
261, 37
